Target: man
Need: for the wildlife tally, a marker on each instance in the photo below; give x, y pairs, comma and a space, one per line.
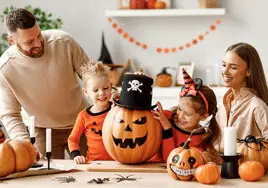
38, 73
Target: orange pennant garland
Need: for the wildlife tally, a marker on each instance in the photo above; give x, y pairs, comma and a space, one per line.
165, 50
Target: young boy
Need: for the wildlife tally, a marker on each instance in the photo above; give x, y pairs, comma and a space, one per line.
97, 87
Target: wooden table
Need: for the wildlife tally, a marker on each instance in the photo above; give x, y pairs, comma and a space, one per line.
143, 179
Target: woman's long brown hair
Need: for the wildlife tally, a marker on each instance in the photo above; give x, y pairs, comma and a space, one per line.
256, 80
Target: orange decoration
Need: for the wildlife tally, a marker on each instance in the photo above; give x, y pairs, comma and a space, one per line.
173, 49
181, 48
212, 27
159, 50
194, 41
115, 25
207, 173
201, 37
166, 50
144, 46
160, 5
131, 39
125, 35
251, 171
120, 30
188, 45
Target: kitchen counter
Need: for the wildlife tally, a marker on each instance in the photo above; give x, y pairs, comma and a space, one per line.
84, 173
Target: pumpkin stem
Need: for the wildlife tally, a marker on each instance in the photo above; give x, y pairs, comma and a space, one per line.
186, 144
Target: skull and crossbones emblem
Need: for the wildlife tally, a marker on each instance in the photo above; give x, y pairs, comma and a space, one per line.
134, 85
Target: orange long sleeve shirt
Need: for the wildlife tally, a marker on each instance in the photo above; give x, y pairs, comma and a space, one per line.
175, 137
91, 125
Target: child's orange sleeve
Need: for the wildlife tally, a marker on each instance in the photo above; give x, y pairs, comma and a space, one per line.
168, 143
78, 129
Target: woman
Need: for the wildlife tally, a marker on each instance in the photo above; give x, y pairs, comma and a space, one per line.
245, 103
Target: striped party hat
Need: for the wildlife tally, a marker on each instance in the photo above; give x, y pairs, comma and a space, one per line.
188, 81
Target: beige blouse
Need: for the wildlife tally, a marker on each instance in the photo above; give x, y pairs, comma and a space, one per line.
248, 113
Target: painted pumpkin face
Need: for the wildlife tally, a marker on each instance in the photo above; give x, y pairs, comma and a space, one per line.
2, 136
131, 136
181, 163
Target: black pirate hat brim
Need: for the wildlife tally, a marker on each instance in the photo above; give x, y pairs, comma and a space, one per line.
131, 107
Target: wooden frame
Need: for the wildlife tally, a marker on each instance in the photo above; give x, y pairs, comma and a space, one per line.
123, 4
188, 66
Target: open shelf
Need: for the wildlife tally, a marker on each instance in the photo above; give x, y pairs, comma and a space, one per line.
165, 12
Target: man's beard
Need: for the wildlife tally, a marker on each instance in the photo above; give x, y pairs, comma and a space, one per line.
30, 53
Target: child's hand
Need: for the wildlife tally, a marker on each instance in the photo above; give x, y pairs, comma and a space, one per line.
80, 159
159, 115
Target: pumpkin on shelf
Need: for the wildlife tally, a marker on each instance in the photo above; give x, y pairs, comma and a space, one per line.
208, 173
183, 161
16, 156
130, 133
137, 4
253, 149
164, 79
251, 170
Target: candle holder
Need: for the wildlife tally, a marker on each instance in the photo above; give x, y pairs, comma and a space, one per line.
229, 168
48, 155
36, 164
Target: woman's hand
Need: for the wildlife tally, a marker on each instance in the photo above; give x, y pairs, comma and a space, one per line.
80, 159
160, 116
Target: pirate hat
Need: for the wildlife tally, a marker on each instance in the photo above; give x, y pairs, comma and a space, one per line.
136, 92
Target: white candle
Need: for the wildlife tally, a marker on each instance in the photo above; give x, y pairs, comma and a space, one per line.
48, 140
31, 121
229, 141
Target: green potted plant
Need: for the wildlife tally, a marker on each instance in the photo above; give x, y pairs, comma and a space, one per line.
43, 18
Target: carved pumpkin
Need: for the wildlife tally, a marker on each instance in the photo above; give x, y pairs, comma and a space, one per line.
131, 136
137, 4
16, 156
251, 170
163, 79
183, 161
207, 173
2, 136
253, 149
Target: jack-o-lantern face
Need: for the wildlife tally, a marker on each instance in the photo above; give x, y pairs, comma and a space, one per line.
95, 130
2, 136
131, 136
181, 163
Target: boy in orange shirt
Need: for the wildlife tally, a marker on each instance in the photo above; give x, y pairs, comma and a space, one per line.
97, 87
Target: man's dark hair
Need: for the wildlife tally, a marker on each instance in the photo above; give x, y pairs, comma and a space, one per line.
19, 19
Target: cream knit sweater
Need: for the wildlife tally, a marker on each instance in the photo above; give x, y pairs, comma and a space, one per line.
46, 87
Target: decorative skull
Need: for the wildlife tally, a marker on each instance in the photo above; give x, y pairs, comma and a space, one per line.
134, 85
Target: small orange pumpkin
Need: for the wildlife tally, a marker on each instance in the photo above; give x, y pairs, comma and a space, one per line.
16, 156
251, 170
183, 161
163, 79
253, 149
208, 173
131, 136
160, 5
137, 4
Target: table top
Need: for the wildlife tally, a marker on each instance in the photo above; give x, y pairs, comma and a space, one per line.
136, 179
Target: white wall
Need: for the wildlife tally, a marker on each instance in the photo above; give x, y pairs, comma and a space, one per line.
245, 20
